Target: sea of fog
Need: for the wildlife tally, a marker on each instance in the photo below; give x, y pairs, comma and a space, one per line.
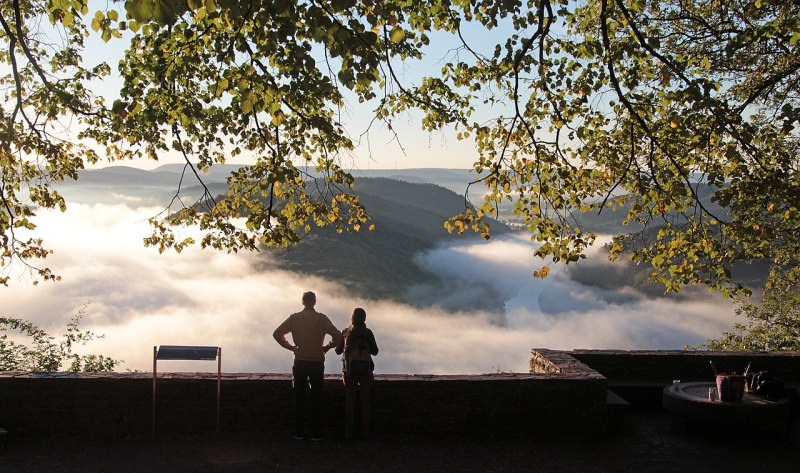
139, 298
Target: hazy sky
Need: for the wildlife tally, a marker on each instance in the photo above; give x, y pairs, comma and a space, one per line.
139, 299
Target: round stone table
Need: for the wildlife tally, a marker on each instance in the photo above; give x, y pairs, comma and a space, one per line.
692, 400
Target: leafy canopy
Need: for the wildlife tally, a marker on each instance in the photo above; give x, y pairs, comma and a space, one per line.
682, 113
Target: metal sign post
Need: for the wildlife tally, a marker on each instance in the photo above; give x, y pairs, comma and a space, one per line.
187, 353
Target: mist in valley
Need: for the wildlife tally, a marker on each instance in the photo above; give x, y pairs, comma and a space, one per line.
139, 298
442, 305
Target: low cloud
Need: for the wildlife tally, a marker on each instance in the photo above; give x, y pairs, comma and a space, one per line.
585, 305
139, 298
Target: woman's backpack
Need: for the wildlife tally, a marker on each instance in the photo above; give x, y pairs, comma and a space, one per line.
357, 360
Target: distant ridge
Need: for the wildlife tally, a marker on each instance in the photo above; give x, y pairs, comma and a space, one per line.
167, 175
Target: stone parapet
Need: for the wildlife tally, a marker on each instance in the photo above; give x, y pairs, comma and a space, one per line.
686, 365
562, 363
489, 406
639, 376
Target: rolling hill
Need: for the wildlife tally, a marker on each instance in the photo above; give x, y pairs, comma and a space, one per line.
408, 219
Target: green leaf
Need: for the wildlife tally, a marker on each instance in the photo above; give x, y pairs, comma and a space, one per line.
278, 118
247, 106
220, 89
397, 35
345, 76
370, 38
164, 13
140, 10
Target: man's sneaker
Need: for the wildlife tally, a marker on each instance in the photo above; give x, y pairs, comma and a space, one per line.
297, 436
317, 437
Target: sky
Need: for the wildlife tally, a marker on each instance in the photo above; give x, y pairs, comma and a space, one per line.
405, 146
139, 299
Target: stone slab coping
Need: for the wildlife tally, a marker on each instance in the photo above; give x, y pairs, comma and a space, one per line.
560, 363
285, 376
699, 353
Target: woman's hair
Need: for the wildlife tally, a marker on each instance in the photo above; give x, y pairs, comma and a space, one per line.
358, 324
359, 316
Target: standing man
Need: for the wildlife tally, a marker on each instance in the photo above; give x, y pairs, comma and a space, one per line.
308, 328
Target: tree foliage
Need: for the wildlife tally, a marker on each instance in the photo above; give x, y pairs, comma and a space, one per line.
646, 105
43, 84
772, 324
40, 352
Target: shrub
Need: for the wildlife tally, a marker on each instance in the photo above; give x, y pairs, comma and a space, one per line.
40, 352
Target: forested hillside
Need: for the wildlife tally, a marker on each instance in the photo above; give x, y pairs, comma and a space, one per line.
408, 219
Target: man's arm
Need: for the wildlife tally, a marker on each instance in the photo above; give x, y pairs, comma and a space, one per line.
280, 335
340, 346
336, 336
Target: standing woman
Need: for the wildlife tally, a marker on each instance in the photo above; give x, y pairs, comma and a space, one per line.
358, 346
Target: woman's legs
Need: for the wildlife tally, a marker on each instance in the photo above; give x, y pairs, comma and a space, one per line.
357, 386
364, 388
350, 392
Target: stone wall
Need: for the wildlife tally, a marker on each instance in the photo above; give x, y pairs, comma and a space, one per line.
121, 404
639, 376
666, 365
565, 393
